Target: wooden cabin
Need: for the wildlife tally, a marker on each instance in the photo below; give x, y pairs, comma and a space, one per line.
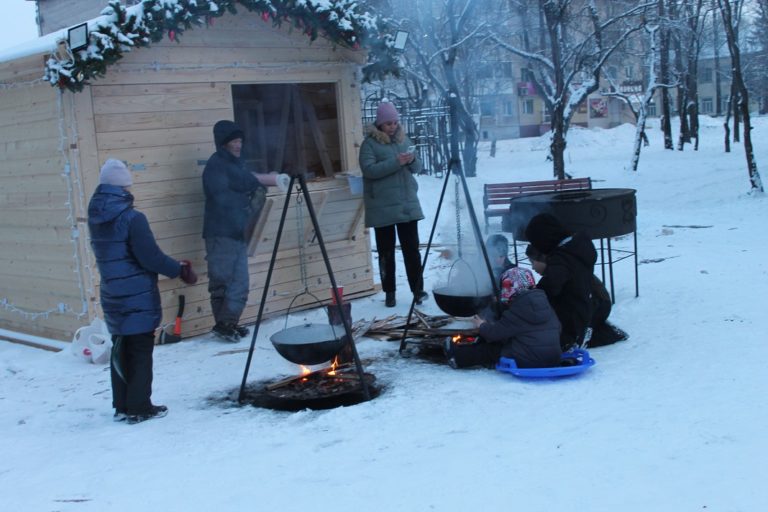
298, 102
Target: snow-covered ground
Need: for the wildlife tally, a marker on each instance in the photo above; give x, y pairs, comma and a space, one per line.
674, 419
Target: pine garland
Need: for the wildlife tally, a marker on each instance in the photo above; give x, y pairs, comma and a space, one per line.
341, 21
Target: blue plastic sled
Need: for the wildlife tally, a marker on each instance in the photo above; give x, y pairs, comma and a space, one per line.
573, 362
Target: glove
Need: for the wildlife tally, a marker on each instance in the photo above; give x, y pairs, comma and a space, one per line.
283, 181
187, 274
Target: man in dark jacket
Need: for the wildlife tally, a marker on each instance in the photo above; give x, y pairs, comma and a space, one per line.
129, 261
527, 330
233, 198
568, 279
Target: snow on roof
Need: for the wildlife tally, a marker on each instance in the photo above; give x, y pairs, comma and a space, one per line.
119, 29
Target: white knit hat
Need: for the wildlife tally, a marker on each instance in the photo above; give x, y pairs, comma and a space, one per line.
114, 172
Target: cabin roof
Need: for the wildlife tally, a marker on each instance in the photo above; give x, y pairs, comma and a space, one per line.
120, 29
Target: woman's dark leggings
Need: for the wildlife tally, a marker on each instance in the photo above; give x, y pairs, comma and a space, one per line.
408, 234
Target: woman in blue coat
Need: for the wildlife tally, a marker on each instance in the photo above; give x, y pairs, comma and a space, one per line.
390, 196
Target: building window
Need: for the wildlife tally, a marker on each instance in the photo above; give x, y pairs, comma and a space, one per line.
509, 108
526, 75
547, 115
652, 109
705, 76
527, 106
629, 72
706, 106
486, 108
611, 72
505, 70
485, 70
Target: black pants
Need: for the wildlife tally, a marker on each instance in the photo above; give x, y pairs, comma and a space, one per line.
408, 234
134, 353
479, 353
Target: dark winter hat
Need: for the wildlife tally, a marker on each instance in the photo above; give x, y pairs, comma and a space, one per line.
114, 172
515, 281
534, 254
545, 232
386, 113
226, 131
497, 246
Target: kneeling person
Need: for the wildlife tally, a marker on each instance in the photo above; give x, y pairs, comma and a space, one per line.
527, 331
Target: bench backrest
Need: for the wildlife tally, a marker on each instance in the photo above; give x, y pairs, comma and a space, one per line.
501, 193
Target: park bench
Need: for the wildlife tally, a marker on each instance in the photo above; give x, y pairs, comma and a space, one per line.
496, 196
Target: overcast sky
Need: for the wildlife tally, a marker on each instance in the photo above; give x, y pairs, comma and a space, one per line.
17, 22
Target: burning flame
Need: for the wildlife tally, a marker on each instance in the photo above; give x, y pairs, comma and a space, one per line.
461, 339
334, 365
304, 371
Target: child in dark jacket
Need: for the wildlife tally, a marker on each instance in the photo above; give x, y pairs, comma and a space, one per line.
568, 279
527, 330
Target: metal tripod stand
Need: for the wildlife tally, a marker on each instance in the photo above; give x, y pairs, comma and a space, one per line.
454, 166
302, 188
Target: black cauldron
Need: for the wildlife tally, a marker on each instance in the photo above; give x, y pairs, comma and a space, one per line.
459, 305
600, 213
309, 344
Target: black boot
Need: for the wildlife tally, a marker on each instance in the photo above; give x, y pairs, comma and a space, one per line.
390, 300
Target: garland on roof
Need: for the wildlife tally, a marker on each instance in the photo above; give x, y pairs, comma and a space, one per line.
126, 28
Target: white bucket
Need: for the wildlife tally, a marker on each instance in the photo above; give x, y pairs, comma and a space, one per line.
355, 185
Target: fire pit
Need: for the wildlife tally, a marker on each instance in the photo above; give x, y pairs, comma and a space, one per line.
331, 387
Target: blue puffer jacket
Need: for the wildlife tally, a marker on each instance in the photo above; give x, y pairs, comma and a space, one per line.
129, 261
228, 188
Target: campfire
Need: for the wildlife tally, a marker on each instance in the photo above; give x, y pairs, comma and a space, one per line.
336, 380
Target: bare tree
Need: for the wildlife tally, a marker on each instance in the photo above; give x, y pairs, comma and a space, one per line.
727, 12
664, 75
575, 40
689, 16
443, 60
639, 102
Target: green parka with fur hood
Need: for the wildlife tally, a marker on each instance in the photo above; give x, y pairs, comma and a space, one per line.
390, 192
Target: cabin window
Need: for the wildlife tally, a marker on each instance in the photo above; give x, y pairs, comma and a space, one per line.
289, 127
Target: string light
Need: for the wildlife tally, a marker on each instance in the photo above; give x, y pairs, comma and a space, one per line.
73, 180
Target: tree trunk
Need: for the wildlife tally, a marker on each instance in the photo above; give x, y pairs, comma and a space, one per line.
666, 114
639, 136
717, 77
727, 125
557, 146
740, 87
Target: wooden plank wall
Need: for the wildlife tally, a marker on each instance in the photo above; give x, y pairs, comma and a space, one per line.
40, 289
156, 110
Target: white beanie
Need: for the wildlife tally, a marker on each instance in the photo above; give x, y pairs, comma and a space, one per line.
114, 172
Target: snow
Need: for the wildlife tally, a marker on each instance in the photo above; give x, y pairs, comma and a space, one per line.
672, 419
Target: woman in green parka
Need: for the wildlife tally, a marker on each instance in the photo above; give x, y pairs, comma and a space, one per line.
390, 195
